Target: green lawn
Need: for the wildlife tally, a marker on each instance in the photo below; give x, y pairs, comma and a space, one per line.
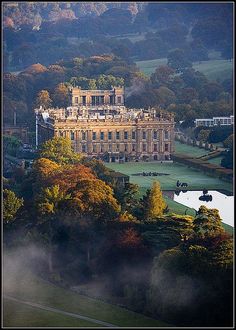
196, 152
33, 289
20, 315
214, 69
196, 179
216, 160
183, 148
149, 66
175, 207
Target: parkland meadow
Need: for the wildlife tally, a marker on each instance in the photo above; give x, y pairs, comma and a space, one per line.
213, 69
33, 289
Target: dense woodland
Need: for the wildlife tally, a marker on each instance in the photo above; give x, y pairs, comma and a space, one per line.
172, 267
48, 32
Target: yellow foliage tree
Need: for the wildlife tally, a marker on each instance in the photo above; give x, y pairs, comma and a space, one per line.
155, 204
59, 150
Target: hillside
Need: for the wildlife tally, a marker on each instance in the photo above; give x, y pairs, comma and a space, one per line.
217, 70
37, 303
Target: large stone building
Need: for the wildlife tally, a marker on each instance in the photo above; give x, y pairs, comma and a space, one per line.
82, 97
107, 129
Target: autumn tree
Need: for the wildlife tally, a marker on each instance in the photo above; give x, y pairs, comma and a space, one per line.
43, 169
68, 176
95, 198
59, 150
61, 96
126, 217
36, 69
11, 205
153, 203
50, 198
43, 99
129, 238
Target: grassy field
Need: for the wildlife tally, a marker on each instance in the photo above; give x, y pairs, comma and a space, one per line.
183, 148
33, 289
196, 180
216, 160
175, 207
149, 66
19, 315
213, 69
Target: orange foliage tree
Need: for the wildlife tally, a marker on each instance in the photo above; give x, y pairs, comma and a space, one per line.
94, 197
130, 238
67, 177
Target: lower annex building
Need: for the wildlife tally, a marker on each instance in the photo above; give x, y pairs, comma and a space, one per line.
99, 125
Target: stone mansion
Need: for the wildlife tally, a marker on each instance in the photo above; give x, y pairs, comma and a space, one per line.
99, 125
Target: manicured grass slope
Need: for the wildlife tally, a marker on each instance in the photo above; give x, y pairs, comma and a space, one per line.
20, 315
196, 180
213, 69
189, 150
34, 289
216, 160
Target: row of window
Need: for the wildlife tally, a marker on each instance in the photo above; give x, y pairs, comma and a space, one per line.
100, 148
117, 135
97, 100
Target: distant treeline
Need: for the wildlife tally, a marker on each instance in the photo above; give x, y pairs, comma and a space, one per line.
176, 87
159, 28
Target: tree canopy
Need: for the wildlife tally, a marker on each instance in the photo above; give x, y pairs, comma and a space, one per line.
59, 150
11, 205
